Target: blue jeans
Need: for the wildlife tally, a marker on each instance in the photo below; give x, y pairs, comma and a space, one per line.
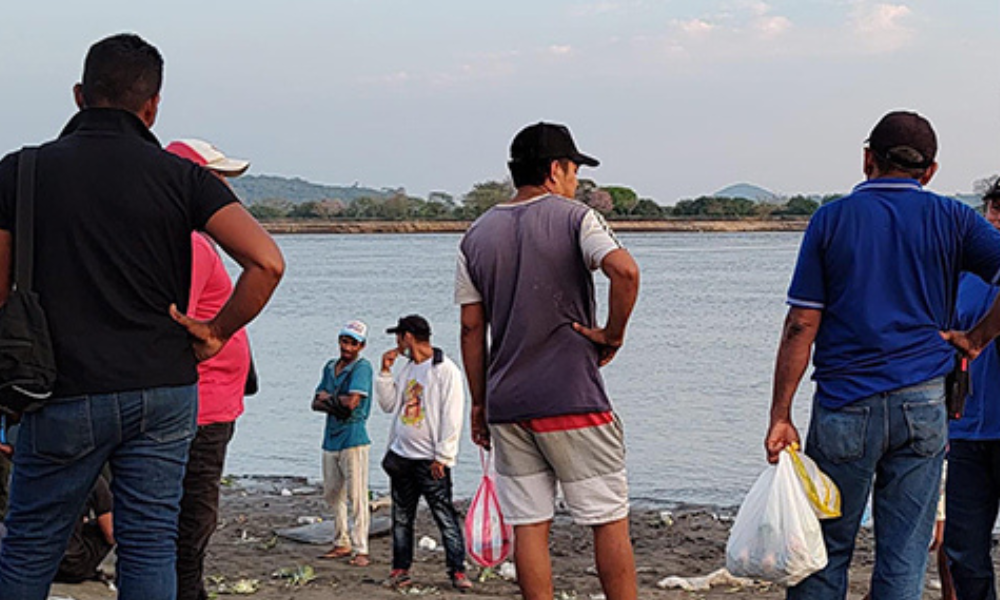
973, 497
898, 438
411, 479
144, 435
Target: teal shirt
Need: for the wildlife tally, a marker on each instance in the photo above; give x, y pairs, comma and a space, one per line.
355, 378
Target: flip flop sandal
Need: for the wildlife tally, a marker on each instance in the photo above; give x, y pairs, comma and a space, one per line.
336, 552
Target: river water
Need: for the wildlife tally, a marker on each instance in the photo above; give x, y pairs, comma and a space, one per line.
692, 384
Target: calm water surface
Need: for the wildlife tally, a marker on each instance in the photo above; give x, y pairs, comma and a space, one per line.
692, 384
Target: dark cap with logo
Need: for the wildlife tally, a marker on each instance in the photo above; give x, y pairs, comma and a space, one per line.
547, 141
904, 138
414, 324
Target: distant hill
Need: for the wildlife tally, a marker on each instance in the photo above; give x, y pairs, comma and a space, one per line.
254, 188
746, 190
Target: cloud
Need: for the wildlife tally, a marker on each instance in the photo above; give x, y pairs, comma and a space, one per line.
557, 50
882, 27
770, 27
694, 27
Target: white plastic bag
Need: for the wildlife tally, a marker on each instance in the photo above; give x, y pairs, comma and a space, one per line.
776, 536
487, 536
823, 494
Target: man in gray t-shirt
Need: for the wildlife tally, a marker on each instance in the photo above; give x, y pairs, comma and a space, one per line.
525, 276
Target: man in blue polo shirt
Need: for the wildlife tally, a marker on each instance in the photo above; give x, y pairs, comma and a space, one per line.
874, 288
973, 489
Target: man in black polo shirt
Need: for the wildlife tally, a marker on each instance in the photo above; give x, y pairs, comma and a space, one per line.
113, 220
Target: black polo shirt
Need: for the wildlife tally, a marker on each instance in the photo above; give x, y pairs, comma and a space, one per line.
113, 221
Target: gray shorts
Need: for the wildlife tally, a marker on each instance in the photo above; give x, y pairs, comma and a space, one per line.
587, 463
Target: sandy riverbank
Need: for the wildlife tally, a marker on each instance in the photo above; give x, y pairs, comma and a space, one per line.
690, 543
288, 227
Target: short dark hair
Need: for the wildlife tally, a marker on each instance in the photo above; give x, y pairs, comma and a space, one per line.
886, 164
533, 172
121, 71
992, 193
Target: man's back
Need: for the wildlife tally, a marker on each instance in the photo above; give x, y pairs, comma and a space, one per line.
113, 219
883, 265
526, 262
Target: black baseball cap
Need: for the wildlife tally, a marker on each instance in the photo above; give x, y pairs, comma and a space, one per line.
414, 324
543, 141
904, 138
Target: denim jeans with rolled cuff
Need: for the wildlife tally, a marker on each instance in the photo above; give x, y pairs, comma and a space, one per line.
893, 442
144, 435
411, 479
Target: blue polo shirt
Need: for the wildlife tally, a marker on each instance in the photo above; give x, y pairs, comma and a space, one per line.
981, 419
353, 378
883, 265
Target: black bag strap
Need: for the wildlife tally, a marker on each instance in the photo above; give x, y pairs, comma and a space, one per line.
24, 229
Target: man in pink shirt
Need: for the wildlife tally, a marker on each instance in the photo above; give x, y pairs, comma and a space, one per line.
222, 382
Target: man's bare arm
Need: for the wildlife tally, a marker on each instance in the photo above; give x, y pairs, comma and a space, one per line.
623, 272
797, 337
239, 234
972, 342
106, 524
474, 358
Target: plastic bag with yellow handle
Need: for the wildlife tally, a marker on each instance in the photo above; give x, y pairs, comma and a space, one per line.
823, 494
777, 536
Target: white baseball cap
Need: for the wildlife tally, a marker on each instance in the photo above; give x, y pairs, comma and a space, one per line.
208, 156
355, 329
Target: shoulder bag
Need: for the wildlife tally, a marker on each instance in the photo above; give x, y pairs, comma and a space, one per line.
27, 363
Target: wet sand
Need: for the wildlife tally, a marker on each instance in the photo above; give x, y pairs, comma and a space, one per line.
691, 542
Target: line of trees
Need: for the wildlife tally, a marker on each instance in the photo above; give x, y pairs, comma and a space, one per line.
614, 202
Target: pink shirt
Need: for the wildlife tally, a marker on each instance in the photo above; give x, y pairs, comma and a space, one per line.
221, 379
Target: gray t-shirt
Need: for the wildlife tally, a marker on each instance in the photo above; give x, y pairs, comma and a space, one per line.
530, 264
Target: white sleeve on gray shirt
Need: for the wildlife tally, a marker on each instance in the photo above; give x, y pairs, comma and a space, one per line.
596, 241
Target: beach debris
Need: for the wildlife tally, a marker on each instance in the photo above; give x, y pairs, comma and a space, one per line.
286, 492
598, 597
508, 571
270, 543
667, 517
246, 538
304, 491
296, 576
308, 520
242, 587
427, 543
719, 577
416, 590
227, 481
323, 533
487, 574
566, 595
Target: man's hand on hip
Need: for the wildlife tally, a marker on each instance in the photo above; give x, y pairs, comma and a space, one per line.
207, 342
607, 343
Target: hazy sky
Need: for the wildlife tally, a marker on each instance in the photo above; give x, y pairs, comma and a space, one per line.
676, 97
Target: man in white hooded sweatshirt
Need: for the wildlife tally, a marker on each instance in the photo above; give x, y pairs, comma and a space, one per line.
427, 398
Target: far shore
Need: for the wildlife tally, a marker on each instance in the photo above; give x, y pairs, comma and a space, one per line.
681, 226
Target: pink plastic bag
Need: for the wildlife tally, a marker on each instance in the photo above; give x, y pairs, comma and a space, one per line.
487, 537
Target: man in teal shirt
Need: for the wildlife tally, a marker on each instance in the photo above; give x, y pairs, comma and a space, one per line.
344, 394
